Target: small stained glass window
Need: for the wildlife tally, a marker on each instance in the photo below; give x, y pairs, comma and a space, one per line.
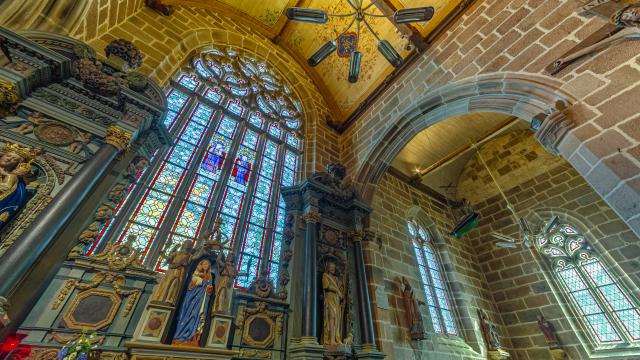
606, 309
436, 294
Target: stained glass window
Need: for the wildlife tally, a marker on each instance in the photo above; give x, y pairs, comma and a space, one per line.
604, 306
237, 141
438, 303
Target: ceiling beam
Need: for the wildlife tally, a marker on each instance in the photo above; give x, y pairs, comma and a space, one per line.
387, 8
487, 135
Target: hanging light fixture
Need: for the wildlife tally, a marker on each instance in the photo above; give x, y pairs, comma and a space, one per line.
360, 16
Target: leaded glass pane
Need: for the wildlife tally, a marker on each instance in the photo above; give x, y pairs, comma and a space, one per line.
188, 183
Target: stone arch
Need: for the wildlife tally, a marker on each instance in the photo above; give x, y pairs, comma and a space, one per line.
523, 96
528, 97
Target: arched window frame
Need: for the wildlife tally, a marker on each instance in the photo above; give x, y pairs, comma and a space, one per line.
579, 253
237, 88
439, 306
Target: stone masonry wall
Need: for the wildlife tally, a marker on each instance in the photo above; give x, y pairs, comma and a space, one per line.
507, 39
394, 257
514, 276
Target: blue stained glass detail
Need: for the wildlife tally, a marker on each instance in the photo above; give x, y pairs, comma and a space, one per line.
631, 320
200, 69
275, 130
175, 101
598, 275
256, 119
214, 95
235, 107
189, 82
602, 327
292, 140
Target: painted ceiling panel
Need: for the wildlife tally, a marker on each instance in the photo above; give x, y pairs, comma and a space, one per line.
301, 40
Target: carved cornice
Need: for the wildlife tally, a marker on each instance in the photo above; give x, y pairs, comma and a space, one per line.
118, 137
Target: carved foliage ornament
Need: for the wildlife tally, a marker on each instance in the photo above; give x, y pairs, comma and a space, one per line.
118, 137
8, 98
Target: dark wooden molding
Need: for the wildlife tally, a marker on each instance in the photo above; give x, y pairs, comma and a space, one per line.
408, 62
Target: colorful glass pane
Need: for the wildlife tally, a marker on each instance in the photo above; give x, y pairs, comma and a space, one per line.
176, 100
189, 81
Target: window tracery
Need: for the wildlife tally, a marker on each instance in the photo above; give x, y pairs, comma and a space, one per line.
237, 134
605, 308
436, 294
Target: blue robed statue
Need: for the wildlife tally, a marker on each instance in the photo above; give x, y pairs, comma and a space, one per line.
193, 310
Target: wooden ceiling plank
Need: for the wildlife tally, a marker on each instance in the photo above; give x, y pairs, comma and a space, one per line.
484, 137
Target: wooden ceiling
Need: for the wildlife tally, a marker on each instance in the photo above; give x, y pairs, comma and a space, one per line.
440, 152
301, 40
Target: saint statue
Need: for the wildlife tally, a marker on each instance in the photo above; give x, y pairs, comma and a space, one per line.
15, 163
223, 283
169, 287
489, 332
193, 311
411, 305
548, 331
333, 299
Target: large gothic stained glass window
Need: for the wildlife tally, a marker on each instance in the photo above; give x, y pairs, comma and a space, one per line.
432, 281
604, 306
237, 140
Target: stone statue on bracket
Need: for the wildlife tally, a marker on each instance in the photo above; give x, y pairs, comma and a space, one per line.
491, 338
169, 287
549, 332
333, 306
15, 164
412, 308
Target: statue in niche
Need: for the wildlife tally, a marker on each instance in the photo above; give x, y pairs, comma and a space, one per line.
412, 308
549, 332
333, 306
15, 164
169, 287
227, 273
193, 311
489, 332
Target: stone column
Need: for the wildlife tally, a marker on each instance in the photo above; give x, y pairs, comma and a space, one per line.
309, 295
366, 320
306, 347
40, 235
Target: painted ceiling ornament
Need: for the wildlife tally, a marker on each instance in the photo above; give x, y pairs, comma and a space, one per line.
347, 41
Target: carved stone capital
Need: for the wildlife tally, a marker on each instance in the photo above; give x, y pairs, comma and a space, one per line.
311, 216
357, 235
118, 137
553, 130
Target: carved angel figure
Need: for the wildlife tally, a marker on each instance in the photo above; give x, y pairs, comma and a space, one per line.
227, 273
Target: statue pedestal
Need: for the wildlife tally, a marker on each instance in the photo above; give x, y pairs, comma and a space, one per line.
143, 351
497, 354
557, 354
368, 352
153, 326
337, 351
305, 348
219, 331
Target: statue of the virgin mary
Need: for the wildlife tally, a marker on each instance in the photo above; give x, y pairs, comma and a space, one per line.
193, 310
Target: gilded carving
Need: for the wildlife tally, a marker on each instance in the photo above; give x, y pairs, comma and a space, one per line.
262, 317
8, 98
4, 311
255, 354
62, 294
64, 339
312, 216
70, 316
118, 137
